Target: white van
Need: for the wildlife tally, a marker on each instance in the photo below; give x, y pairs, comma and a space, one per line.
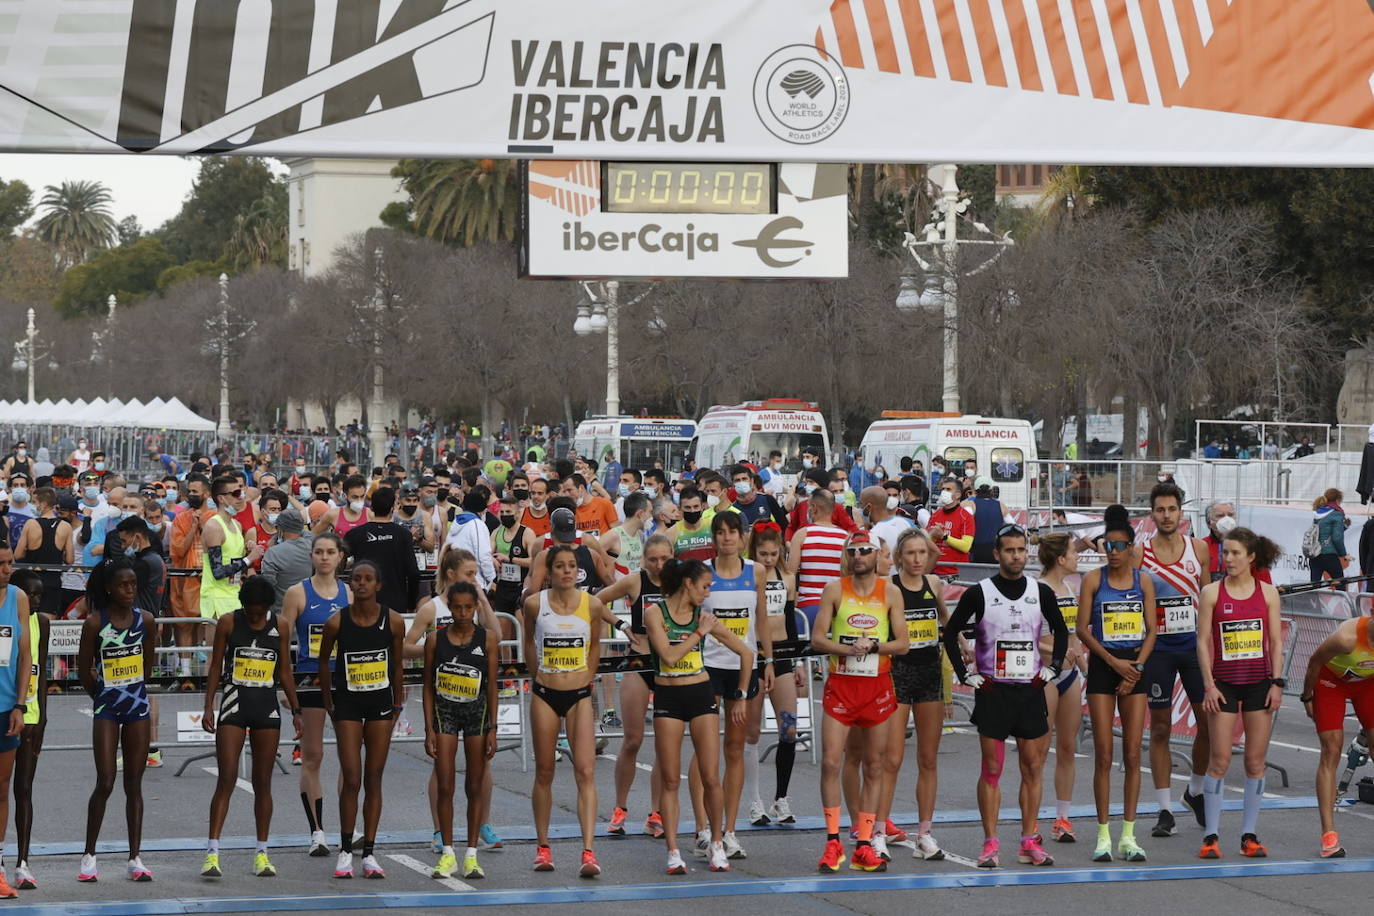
749, 431
638, 442
1004, 449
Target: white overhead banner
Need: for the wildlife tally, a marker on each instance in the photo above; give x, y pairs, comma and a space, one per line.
1284, 82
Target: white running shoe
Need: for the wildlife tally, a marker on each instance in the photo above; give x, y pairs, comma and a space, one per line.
23, 877
781, 811
719, 860
703, 845
372, 868
757, 816
675, 864
138, 871
733, 849
927, 848
318, 847
880, 847
88, 873
343, 867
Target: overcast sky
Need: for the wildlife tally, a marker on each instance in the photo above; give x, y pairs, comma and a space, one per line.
150, 187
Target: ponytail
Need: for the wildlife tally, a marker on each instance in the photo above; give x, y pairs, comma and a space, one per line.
1260, 547
676, 572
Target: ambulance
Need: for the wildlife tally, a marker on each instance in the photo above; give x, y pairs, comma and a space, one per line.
638, 442
750, 431
1003, 449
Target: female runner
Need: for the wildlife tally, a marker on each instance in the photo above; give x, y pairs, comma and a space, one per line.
1063, 697
780, 593
35, 723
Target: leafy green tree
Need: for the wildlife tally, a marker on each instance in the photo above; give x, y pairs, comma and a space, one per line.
30, 269
16, 206
76, 218
129, 230
459, 201
191, 270
260, 235
130, 273
225, 188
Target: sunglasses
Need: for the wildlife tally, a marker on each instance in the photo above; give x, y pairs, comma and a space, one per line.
861, 551
1116, 546
237, 494
1011, 529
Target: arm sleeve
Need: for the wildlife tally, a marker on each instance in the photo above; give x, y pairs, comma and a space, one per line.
218, 568
968, 610
1049, 608
778, 515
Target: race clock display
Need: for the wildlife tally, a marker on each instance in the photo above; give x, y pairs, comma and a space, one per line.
689, 187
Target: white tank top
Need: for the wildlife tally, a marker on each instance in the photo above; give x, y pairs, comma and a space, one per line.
561, 640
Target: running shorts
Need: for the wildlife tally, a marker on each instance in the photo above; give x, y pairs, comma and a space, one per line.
1101, 677
859, 702
725, 681
685, 702
1002, 711
1329, 697
918, 683
1245, 697
1160, 670
466, 720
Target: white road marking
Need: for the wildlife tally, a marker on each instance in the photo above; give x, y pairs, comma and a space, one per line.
967, 863
642, 766
416, 865
243, 784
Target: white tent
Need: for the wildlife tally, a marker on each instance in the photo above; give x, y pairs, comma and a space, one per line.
156, 414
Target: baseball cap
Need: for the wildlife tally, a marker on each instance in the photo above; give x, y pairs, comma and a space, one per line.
982, 481
563, 525
66, 502
859, 539
290, 522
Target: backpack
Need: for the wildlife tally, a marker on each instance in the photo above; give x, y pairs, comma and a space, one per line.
1312, 541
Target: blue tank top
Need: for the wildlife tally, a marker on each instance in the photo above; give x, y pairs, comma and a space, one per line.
1118, 616
987, 519
9, 648
310, 627
733, 600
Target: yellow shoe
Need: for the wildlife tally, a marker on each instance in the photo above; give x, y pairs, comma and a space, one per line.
211, 867
471, 869
263, 867
446, 867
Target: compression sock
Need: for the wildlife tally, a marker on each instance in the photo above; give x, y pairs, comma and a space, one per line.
319, 813
261, 847
786, 755
751, 773
212, 847
865, 827
367, 847
1211, 804
346, 841
310, 817
1061, 808
1127, 830
1254, 794
832, 823
470, 853
1165, 798
1104, 834
922, 829
1195, 783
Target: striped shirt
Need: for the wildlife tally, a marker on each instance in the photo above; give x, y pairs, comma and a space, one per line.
1177, 590
822, 553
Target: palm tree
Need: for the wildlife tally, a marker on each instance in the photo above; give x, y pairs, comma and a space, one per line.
260, 234
77, 219
1068, 189
465, 201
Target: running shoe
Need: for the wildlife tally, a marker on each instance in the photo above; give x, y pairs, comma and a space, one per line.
543, 858
318, 847
781, 811
733, 849
617, 825
1032, 853
702, 849
678, 867
880, 847
609, 719
5, 890
894, 833
832, 858
866, 858
590, 867
154, 759
1195, 802
757, 816
927, 848
988, 857
1252, 848
471, 869
653, 825
296, 756
1166, 825
1331, 849
138, 871
448, 864
436, 843
489, 837
343, 867
719, 860
87, 874
1102, 852
25, 881
1062, 831
263, 867
210, 867
372, 868
1211, 849
1130, 850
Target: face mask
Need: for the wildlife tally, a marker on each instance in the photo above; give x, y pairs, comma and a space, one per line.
1162, 477
743, 488
303, 492
691, 518
192, 500
508, 521
808, 488
866, 518
429, 502
21, 452
127, 514
211, 504
712, 501
356, 505
19, 495
521, 495
100, 465
300, 470
624, 490
808, 464
1225, 525
272, 518
443, 494
777, 465
946, 497
130, 551
892, 503
80, 445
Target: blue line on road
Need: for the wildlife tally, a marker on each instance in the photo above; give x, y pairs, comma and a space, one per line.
609, 893
525, 834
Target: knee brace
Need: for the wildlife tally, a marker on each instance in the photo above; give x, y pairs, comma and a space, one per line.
787, 728
989, 776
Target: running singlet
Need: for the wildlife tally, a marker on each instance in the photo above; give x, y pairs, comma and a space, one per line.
1177, 589
776, 606
310, 627
689, 664
363, 666
649, 594
221, 596
342, 525
733, 601
1068, 609
822, 555
861, 617
1240, 645
1006, 648
693, 545
31, 710
1118, 617
250, 669
121, 691
460, 671
510, 578
1357, 664
922, 625
9, 647
562, 640
627, 563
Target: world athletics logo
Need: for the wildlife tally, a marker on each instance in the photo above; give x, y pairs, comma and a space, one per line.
801, 94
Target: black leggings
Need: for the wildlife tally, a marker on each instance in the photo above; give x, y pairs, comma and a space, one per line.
1327, 563
561, 701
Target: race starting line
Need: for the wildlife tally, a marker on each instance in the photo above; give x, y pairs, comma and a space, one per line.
608, 893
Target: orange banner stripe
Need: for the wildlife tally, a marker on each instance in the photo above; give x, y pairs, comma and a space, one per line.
1056, 42
1022, 46
1189, 29
1092, 51
846, 34
953, 41
986, 37
914, 24
1126, 52
881, 30
1161, 52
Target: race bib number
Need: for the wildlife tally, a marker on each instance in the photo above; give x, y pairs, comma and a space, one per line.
1015, 660
775, 599
457, 683
6, 645
687, 665
254, 667
1068, 609
1123, 621
736, 620
1242, 639
922, 627
509, 573
564, 654
316, 634
121, 666
860, 666
32, 693
367, 671
426, 559
1176, 615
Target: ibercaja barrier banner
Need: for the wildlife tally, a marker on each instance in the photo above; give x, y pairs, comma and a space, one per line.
1240, 82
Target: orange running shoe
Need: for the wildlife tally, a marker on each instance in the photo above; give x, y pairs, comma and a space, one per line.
894, 833
5, 889
653, 825
590, 867
832, 859
1331, 846
866, 858
1252, 848
1062, 831
543, 859
1211, 849
617, 825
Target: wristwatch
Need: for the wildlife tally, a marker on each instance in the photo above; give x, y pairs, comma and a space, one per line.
1139, 667
736, 694
1280, 682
